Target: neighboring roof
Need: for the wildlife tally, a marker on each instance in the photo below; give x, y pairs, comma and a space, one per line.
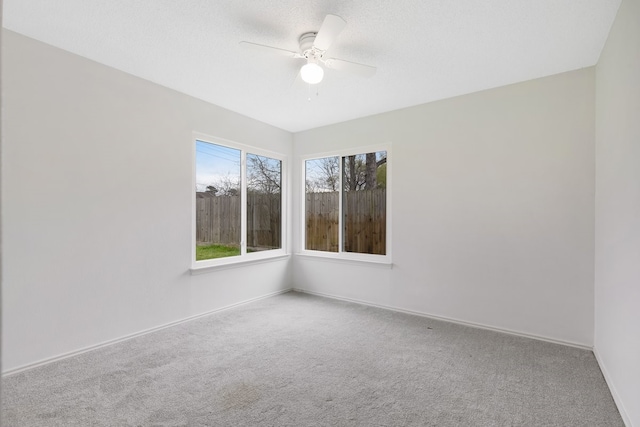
425, 50
205, 195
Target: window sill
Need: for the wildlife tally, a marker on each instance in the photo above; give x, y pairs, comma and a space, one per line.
341, 260
235, 264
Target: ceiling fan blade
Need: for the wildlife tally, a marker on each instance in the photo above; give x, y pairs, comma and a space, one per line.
331, 27
350, 67
270, 50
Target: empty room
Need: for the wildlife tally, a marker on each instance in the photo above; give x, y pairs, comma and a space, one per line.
320, 213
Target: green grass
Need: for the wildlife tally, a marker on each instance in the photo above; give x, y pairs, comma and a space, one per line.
215, 251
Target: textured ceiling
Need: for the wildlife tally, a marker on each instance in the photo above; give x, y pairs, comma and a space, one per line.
425, 50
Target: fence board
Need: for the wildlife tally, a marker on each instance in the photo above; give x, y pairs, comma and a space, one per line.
218, 221
264, 221
365, 221
321, 219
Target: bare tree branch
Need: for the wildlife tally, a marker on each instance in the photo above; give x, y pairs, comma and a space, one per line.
263, 174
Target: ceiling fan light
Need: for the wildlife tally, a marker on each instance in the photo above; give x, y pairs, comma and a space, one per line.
311, 73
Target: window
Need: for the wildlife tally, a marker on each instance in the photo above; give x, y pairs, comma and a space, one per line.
264, 203
345, 205
238, 210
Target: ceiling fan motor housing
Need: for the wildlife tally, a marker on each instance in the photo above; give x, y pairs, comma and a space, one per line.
306, 45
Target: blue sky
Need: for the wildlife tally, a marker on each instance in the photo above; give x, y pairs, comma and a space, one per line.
215, 162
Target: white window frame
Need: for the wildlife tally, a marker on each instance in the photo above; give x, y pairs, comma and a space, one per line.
341, 255
244, 257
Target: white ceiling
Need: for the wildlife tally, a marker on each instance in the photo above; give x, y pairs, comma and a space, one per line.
425, 50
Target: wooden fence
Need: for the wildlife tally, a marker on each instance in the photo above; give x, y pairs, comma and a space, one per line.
321, 221
365, 221
264, 221
218, 221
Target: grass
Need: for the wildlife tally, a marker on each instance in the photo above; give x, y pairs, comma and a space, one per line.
215, 251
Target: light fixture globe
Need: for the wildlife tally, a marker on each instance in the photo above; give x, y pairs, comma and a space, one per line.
311, 73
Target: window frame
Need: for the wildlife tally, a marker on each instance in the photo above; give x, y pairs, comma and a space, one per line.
244, 257
341, 255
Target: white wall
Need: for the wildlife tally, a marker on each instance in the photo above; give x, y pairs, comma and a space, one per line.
492, 210
617, 220
1, 133
96, 199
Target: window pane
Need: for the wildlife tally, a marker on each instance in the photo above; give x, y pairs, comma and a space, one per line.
364, 203
322, 182
218, 208
264, 203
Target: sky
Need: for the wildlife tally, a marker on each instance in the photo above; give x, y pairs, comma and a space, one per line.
214, 163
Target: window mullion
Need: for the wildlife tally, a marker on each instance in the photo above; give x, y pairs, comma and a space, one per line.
340, 211
243, 203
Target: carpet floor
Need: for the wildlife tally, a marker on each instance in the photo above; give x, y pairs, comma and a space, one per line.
301, 360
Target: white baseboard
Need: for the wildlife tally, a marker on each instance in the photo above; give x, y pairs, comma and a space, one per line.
612, 388
134, 335
449, 319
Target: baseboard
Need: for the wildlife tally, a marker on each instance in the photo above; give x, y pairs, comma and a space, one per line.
612, 388
134, 335
449, 319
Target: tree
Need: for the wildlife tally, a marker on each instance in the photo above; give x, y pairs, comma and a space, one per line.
359, 172
370, 176
227, 186
263, 174
381, 175
351, 166
322, 174
331, 173
363, 171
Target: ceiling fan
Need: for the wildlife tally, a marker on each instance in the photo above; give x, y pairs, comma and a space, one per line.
313, 48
